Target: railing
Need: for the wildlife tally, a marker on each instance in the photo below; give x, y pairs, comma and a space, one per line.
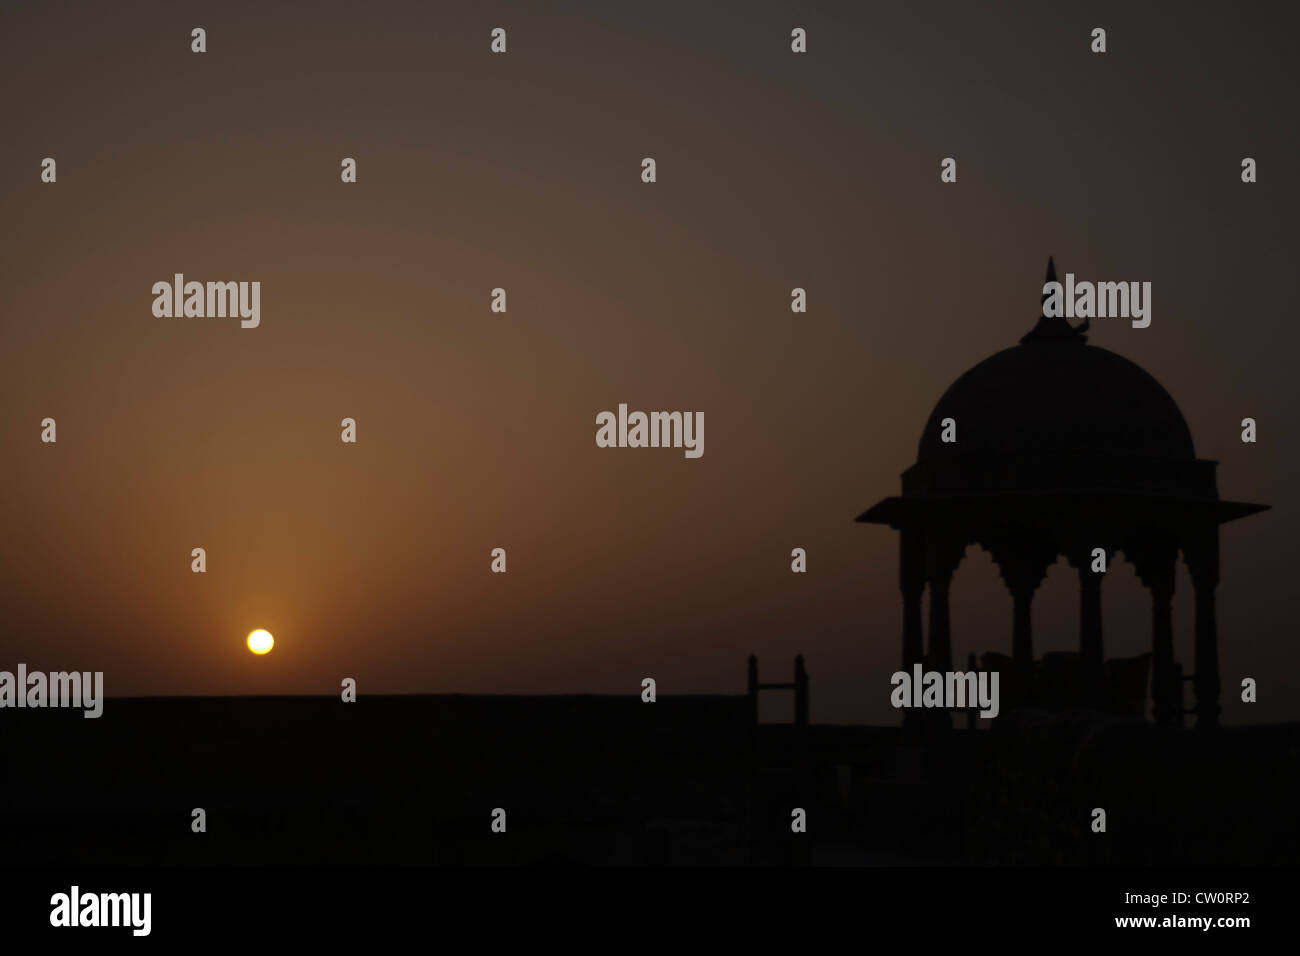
799, 686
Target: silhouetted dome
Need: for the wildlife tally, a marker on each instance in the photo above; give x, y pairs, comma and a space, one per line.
1055, 393
1050, 433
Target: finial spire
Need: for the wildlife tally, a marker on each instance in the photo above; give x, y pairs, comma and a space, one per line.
1051, 275
1054, 328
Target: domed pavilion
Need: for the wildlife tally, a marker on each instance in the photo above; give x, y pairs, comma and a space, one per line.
1062, 448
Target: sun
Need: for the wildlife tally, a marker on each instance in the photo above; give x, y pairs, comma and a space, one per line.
261, 642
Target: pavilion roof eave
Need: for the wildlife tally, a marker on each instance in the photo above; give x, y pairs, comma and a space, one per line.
896, 509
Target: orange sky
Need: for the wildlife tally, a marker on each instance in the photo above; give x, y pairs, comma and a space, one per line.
476, 430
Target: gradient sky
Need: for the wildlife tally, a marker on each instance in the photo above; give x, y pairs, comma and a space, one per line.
476, 430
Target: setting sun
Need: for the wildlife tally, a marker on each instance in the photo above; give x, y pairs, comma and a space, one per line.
260, 641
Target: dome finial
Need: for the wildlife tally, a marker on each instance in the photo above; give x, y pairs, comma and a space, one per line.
1051, 275
1054, 328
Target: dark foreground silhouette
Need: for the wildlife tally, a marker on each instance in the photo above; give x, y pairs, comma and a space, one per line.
613, 780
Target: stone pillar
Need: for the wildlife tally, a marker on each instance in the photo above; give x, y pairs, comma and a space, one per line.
912, 580
1092, 661
1024, 561
911, 566
1202, 555
1022, 632
1155, 566
1090, 644
942, 558
1207, 659
940, 656
1164, 691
